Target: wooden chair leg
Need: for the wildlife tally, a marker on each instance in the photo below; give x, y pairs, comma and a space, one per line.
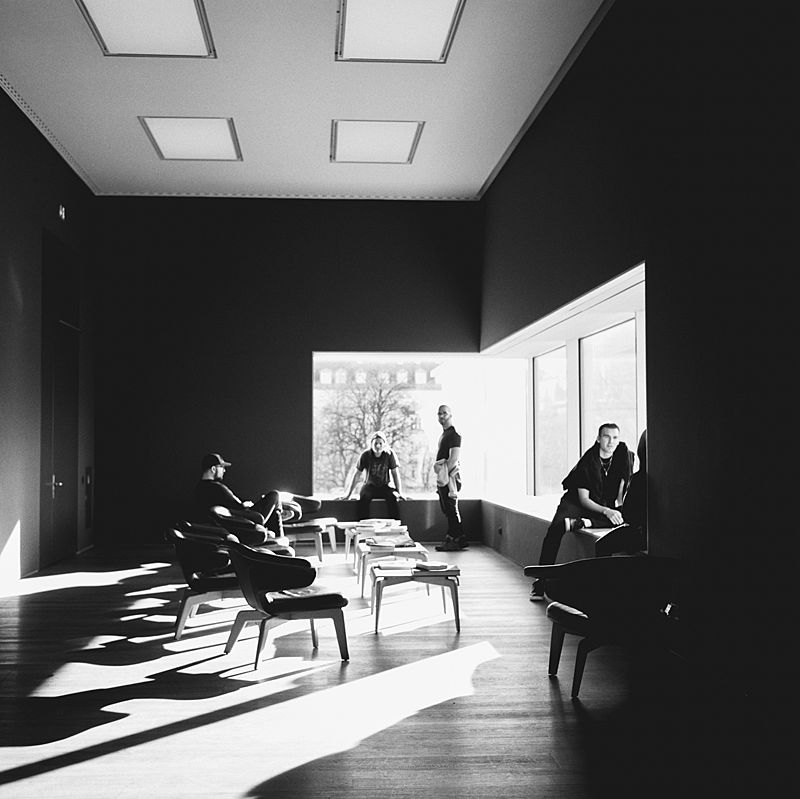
242, 617
184, 611
318, 542
556, 644
314, 638
584, 648
454, 595
332, 537
363, 575
378, 600
341, 633
263, 636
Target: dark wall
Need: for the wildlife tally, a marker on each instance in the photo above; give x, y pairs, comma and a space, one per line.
34, 181
566, 212
645, 152
210, 311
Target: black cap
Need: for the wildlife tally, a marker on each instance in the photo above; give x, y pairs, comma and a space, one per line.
213, 459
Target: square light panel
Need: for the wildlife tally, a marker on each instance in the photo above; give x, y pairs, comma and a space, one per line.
157, 28
397, 30
193, 138
363, 141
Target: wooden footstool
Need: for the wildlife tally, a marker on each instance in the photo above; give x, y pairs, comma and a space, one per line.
445, 578
365, 553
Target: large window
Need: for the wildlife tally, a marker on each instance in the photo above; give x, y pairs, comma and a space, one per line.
608, 383
550, 414
357, 393
592, 379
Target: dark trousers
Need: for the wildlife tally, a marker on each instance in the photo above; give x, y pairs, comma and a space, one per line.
262, 513
267, 506
449, 506
555, 532
370, 492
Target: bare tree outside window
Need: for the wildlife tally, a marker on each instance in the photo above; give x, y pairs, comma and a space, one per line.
345, 413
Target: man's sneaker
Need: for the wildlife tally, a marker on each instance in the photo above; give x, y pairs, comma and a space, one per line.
578, 524
452, 544
537, 591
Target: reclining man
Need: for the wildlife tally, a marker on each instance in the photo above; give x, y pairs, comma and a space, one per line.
211, 491
594, 492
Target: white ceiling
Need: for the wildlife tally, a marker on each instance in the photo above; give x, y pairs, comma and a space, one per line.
276, 76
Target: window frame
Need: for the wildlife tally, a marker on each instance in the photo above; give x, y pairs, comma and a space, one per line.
620, 299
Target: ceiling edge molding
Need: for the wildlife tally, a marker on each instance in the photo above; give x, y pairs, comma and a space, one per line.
576, 50
46, 132
268, 196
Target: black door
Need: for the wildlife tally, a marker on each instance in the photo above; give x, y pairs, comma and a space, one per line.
58, 536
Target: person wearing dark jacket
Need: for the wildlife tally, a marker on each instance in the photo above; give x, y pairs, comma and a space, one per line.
593, 494
211, 491
634, 507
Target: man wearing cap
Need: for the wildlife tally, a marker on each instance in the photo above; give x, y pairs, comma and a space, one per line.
210, 491
379, 464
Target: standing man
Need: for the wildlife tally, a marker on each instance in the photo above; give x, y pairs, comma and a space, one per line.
448, 481
379, 464
593, 494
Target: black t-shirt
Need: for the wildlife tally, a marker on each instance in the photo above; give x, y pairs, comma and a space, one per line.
449, 439
208, 493
587, 473
377, 466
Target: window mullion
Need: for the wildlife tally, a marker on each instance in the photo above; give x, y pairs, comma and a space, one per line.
573, 400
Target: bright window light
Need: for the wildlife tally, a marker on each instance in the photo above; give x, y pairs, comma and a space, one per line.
608, 383
177, 28
397, 30
550, 435
193, 138
399, 393
374, 141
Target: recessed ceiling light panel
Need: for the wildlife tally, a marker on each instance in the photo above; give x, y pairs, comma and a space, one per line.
397, 30
156, 28
365, 141
193, 138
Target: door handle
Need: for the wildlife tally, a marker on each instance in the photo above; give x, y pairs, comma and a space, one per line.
53, 485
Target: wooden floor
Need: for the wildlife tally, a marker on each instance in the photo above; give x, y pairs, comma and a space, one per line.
99, 700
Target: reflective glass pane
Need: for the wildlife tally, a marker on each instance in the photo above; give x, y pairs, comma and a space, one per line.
608, 383
550, 421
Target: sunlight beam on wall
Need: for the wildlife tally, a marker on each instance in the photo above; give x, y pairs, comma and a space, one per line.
10, 559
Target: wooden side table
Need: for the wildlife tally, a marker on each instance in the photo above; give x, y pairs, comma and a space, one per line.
350, 533
445, 578
313, 528
365, 554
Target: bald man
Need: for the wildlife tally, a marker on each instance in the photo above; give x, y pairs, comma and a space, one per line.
448, 481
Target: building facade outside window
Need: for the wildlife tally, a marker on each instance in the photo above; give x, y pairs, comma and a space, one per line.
355, 395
